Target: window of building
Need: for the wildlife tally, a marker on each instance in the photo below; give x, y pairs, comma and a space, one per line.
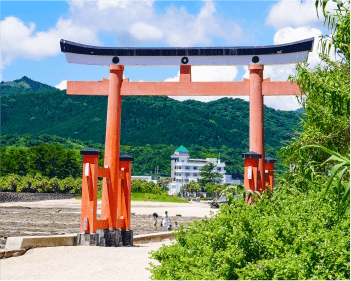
218, 169
195, 174
187, 167
195, 168
187, 174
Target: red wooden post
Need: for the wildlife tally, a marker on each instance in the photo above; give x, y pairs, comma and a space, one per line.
89, 191
251, 162
269, 171
111, 192
256, 118
126, 187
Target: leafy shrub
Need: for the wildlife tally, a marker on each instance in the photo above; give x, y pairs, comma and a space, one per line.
144, 186
38, 183
292, 235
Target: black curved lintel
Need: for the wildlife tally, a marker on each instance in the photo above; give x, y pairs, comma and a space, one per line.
305, 45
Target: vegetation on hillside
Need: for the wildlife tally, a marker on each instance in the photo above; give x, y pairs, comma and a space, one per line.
145, 120
24, 85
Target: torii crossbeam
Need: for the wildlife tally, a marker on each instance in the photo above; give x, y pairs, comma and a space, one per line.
116, 87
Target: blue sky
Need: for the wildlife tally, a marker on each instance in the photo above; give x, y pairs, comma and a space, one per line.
31, 31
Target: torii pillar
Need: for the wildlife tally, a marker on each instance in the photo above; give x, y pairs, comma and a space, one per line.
256, 118
111, 199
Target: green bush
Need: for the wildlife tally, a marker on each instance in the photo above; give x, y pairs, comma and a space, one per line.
49, 160
144, 186
38, 184
292, 235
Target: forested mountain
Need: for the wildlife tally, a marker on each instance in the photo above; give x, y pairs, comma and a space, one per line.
23, 86
145, 120
148, 124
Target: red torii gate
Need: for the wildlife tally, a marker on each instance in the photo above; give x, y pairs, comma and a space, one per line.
116, 196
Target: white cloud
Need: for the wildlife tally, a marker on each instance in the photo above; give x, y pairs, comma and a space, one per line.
104, 5
213, 73
145, 32
62, 85
282, 102
292, 13
135, 22
295, 13
19, 40
182, 29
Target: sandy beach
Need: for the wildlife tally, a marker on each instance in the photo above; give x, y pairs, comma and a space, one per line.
82, 262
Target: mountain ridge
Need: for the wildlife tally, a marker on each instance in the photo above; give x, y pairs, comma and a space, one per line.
23, 85
145, 120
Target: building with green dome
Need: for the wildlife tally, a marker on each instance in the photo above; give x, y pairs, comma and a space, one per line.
185, 170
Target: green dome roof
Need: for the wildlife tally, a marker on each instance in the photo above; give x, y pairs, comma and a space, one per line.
182, 148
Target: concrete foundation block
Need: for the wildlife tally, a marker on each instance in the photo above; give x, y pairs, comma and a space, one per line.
102, 236
127, 237
106, 238
88, 239
17, 243
113, 238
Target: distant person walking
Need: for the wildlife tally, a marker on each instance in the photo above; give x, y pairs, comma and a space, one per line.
166, 220
155, 215
175, 225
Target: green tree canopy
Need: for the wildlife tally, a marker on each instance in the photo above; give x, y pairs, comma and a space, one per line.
326, 119
208, 175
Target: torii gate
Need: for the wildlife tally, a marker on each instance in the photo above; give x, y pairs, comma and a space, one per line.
116, 87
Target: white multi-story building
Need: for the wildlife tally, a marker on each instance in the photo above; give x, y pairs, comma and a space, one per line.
185, 170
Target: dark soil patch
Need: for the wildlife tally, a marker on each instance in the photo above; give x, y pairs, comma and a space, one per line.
30, 197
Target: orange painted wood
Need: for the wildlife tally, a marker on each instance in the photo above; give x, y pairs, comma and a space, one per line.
125, 208
103, 172
121, 174
183, 88
96, 88
251, 184
111, 186
185, 73
256, 118
102, 224
89, 194
269, 177
280, 89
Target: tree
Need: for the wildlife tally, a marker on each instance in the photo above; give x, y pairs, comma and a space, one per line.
193, 186
326, 119
208, 176
163, 183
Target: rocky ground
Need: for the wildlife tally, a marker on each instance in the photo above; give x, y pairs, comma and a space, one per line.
32, 221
